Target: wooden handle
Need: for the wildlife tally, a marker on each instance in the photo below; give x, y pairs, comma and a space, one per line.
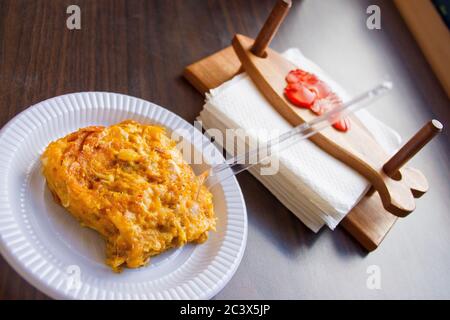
417, 142
356, 147
270, 27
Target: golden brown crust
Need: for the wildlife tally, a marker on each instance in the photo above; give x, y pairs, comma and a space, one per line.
130, 183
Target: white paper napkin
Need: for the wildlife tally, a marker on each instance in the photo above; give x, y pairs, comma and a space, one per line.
317, 188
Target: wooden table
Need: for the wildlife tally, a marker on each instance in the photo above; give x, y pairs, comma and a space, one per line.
141, 47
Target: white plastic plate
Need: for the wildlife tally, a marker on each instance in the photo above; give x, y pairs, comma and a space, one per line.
50, 249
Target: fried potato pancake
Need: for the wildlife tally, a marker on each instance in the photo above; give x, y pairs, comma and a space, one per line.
130, 183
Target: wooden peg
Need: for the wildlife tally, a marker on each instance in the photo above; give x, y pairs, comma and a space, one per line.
417, 142
270, 27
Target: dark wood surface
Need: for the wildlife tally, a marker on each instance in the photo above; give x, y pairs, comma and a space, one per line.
141, 47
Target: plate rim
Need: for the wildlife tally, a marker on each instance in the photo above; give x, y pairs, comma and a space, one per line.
17, 265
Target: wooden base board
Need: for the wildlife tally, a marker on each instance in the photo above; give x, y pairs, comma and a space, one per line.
368, 222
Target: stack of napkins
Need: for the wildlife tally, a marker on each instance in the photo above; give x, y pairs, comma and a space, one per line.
317, 188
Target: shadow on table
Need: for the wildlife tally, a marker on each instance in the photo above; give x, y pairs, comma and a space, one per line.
283, 229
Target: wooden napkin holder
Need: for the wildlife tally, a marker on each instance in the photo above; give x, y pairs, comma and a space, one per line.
369, 221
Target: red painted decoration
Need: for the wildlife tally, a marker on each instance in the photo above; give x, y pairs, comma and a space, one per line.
306, 90
300, 95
